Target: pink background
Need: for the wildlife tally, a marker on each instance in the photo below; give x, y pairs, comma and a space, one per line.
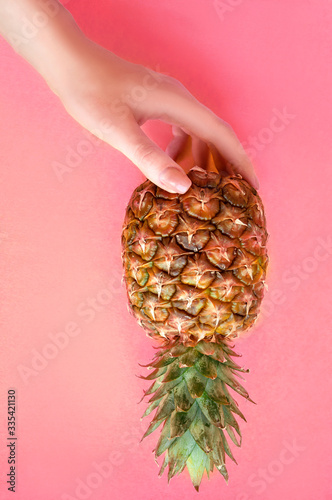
60, 248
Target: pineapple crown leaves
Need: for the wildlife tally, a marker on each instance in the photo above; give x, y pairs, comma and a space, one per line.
190, 393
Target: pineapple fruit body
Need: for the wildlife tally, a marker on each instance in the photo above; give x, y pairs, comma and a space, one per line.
195, 268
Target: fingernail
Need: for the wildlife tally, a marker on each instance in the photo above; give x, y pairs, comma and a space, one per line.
175, 179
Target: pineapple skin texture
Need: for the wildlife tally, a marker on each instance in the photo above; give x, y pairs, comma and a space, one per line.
195, 264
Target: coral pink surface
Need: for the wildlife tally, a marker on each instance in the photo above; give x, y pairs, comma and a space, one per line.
68, 345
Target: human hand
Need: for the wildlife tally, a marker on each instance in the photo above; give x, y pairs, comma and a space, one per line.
112, 98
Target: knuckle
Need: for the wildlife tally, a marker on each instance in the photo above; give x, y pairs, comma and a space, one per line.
220, 126
143, 153
225, 125
170, 79
171, 83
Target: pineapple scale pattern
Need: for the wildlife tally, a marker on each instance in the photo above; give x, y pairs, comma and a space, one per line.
195, 263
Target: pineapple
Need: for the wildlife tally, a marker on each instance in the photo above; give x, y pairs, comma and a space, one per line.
194, 269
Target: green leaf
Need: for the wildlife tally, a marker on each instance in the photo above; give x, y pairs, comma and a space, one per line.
152, 427
206, 348
165, 408
232, 403
150, 408
215, 391
227, 349
229, 418
164, 465
182, 398
230, 380
223, 471
153, 387
179, 452
216, 351
218, 354
173, 372
226, 445
207, 366
189, 358
155, 374
164, 439
234, 366
202, 431
196, 464
178, 350
232, 435
210, 410
161, 362
195, 382
209, 466
217, 452
164, 389
181, 421
233, 371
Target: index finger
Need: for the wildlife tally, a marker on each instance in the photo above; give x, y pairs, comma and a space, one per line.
179, 107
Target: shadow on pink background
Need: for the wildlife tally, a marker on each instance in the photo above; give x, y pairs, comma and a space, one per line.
78, 422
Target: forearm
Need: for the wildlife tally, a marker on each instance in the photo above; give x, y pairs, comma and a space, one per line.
45, 34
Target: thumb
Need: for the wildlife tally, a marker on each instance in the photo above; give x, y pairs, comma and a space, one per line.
152, 161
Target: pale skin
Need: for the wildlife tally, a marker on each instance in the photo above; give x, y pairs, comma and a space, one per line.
112, 97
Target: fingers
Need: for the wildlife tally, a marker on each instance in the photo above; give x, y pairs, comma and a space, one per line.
222, 165
179, 107
153, 162
176, 144
200, 150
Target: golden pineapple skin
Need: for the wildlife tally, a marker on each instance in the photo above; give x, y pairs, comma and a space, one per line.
195, 263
